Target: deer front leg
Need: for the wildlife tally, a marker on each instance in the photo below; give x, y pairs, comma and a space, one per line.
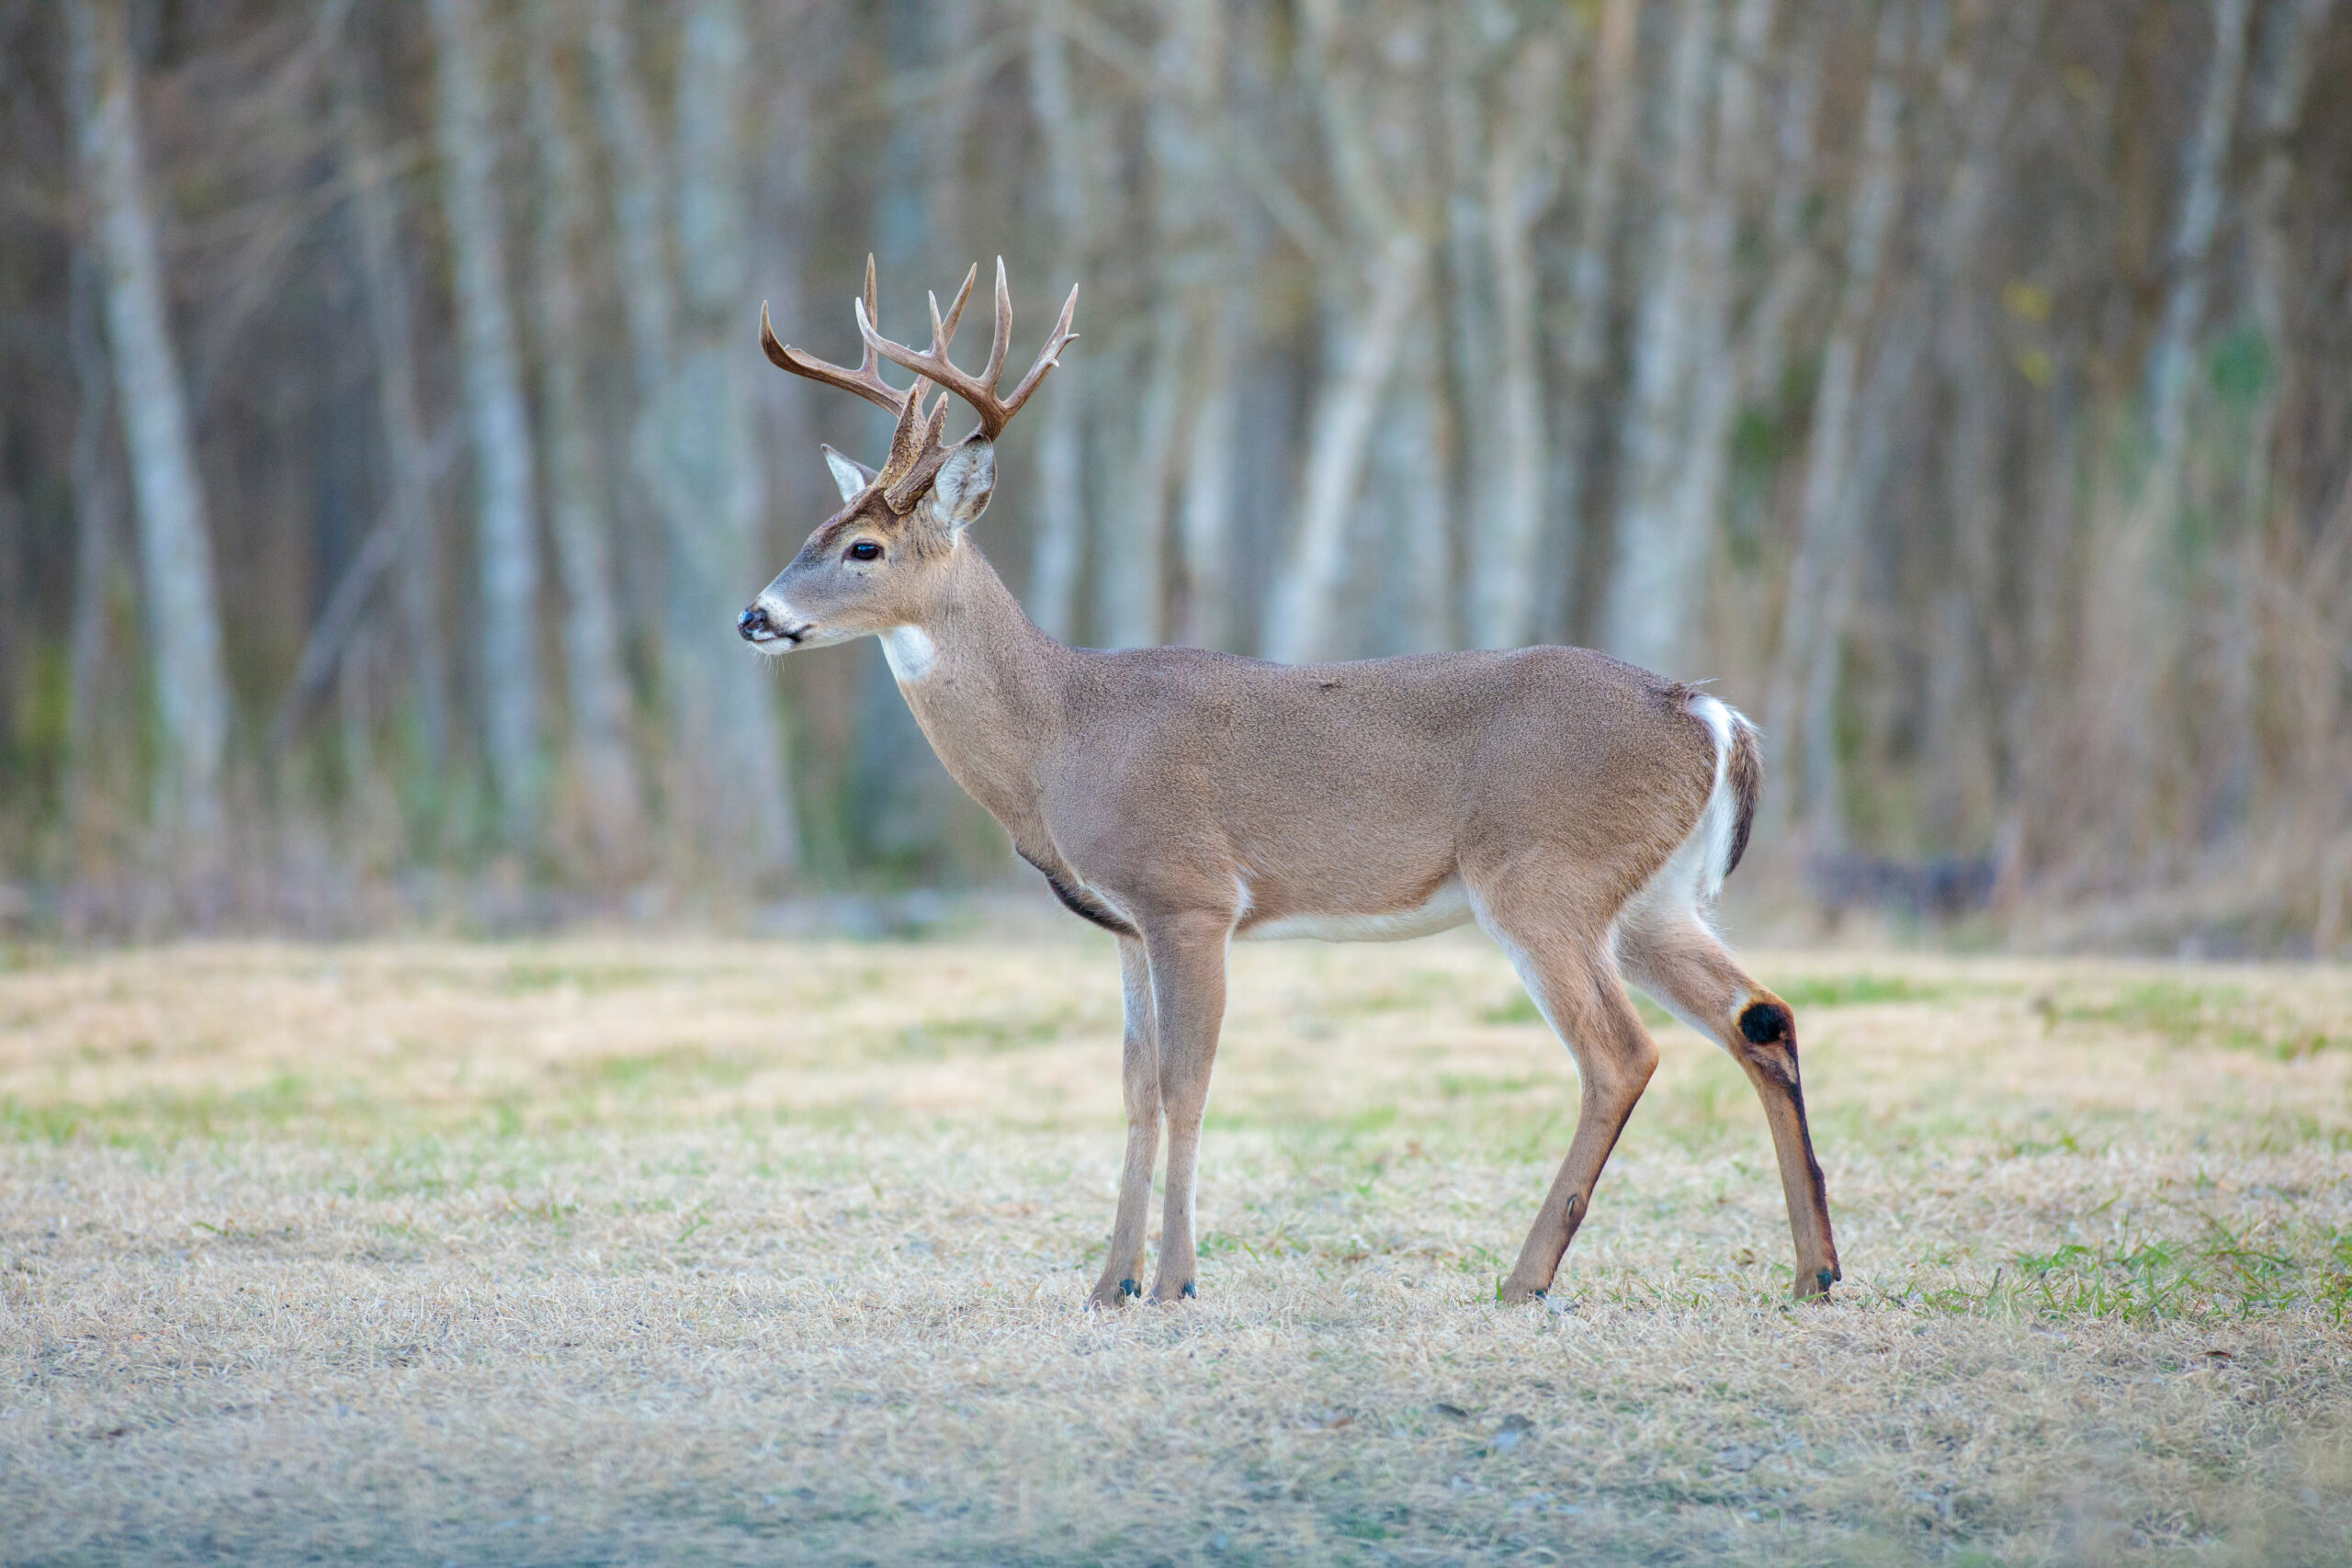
1139, 1064
1578, 989
1188, 1003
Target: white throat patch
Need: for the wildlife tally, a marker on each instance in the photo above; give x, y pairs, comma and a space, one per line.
911, 653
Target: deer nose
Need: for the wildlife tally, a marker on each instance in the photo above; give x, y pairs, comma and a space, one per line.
753, 623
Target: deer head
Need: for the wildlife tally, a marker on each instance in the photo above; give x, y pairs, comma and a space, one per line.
880, 563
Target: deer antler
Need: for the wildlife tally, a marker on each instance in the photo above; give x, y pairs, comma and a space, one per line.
916, 452
866, 380
933, 365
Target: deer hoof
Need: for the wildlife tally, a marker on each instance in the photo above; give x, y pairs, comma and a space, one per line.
1108, 1297
1816, 1286
1512, 1292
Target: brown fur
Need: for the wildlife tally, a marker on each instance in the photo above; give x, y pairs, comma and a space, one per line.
1184, 798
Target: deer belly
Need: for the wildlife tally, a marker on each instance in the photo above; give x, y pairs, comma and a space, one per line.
1443, 909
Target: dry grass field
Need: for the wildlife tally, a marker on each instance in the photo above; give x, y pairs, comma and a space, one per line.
625, 1251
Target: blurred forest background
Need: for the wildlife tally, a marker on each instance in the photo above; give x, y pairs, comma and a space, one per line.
386, 449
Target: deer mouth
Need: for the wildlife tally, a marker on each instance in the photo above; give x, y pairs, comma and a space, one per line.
772, 630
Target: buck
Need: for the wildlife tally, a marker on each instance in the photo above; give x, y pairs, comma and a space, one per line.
1583, 812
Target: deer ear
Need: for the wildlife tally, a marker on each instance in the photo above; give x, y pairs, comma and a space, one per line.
966, 481
851, 475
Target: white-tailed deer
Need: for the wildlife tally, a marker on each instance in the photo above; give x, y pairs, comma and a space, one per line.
1583, 812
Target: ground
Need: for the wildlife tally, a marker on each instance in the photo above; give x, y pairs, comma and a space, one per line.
627, 1250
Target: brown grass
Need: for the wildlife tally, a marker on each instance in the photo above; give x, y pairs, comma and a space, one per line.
600, 1251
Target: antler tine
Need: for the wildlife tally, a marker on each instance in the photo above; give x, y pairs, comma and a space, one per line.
1003, 339
980, 391
866, 380
1048, 356
941, 336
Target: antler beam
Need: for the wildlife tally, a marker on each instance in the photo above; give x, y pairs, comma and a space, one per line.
866, 380
980, 391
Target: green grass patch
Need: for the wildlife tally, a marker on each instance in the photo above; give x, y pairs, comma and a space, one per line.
1859, 990
2217, 1015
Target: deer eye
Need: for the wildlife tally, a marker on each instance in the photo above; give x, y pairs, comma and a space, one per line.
866, 549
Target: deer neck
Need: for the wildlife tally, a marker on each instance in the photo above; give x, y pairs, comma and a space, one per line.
985, 686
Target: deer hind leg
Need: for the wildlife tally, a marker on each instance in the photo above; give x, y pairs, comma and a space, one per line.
1188, 1002
1693, 976
1139, 1061
1574, 981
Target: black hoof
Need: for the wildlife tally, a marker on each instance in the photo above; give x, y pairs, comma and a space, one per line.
1190, 1291
1129, 1288
1827, 1277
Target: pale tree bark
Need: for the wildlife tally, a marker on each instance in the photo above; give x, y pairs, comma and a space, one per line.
691, 449
1976, 652
1813, 622
491, 364
1299, 617
1206, 521
727, 721
2135, 606
1189, 243
590, 620
2173, 356
1518, 187
2289, 43
1411, 468
1877, 418
1583, 352
2294, 29
375, 205
180, 613
1711, 381
1796, 268
1055, 558
1651, 579
97, 528
1368, 310
640, 215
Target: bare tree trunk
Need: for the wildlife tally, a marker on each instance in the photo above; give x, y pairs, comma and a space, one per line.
1591, 278
1712, 384
507, 501
1877, 416
1978, 651
181, 612
1061, 488
1299, 614
375, 214
1762, 353
98, 528
2290, 41
2174, 353
1812, 627
1503, 567
1300, 609
640, 215
591, 623
728, 728
1411, 468
691, 449
1189, 252
1134, 535
1651, 582
2295, 27
1207, 518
